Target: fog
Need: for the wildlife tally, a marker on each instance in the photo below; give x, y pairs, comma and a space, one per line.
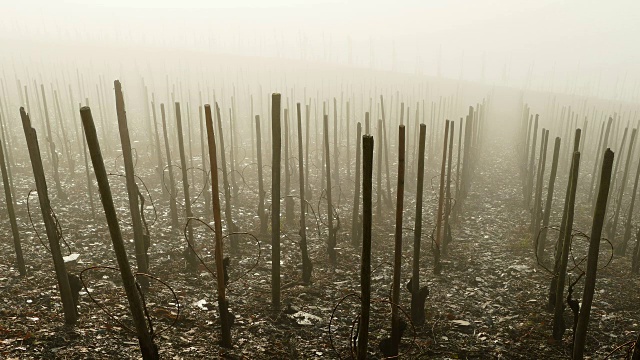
293, 179
575, 47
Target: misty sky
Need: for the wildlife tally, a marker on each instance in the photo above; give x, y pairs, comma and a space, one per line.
565, 45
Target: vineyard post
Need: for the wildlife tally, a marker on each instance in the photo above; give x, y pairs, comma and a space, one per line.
148, 348
592, 261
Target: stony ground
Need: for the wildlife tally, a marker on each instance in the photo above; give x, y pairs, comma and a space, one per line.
489, 301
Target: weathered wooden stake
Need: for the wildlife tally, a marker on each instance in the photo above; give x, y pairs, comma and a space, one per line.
306, 261
189, 255
365, 268
417, 301
132, 187
397, 264
12, 214
331, 239
437, 267
288, 200
558, 250
621, 247
558, 319
231, 226
68, 305
223, 304
275, 200
592, 261
262, 214
173, 207
355, 218
148, 348
547, 205
52, 148
447, 237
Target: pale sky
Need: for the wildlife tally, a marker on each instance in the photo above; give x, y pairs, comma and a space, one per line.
565, 44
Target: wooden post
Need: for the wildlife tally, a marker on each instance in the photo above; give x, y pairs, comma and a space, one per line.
261, 213
148, 348
547, 205
275, 201
232, 154
537, 197
629, 219
68, 305
621, 247
173, 207
527, 196
592, 262
446, 239
458, 165
604, 146
132, 187
558, 320
12, 214
231, 227
306, 261
365, 268
331, 239
288, 200
348, 143
336, 153
52, 148
223, 304
558, 251
397, 264
379, 175
466, 159
66, 147
306, 159
190, 256
203, 156
437, 267
157, 140
355, 217
417, 309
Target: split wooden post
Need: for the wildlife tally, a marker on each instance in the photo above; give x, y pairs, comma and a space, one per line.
148, 348
68, 305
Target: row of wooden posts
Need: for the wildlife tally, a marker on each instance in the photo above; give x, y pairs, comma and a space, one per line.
466, 160
604, 176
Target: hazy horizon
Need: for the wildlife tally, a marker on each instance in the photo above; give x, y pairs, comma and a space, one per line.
569, 47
